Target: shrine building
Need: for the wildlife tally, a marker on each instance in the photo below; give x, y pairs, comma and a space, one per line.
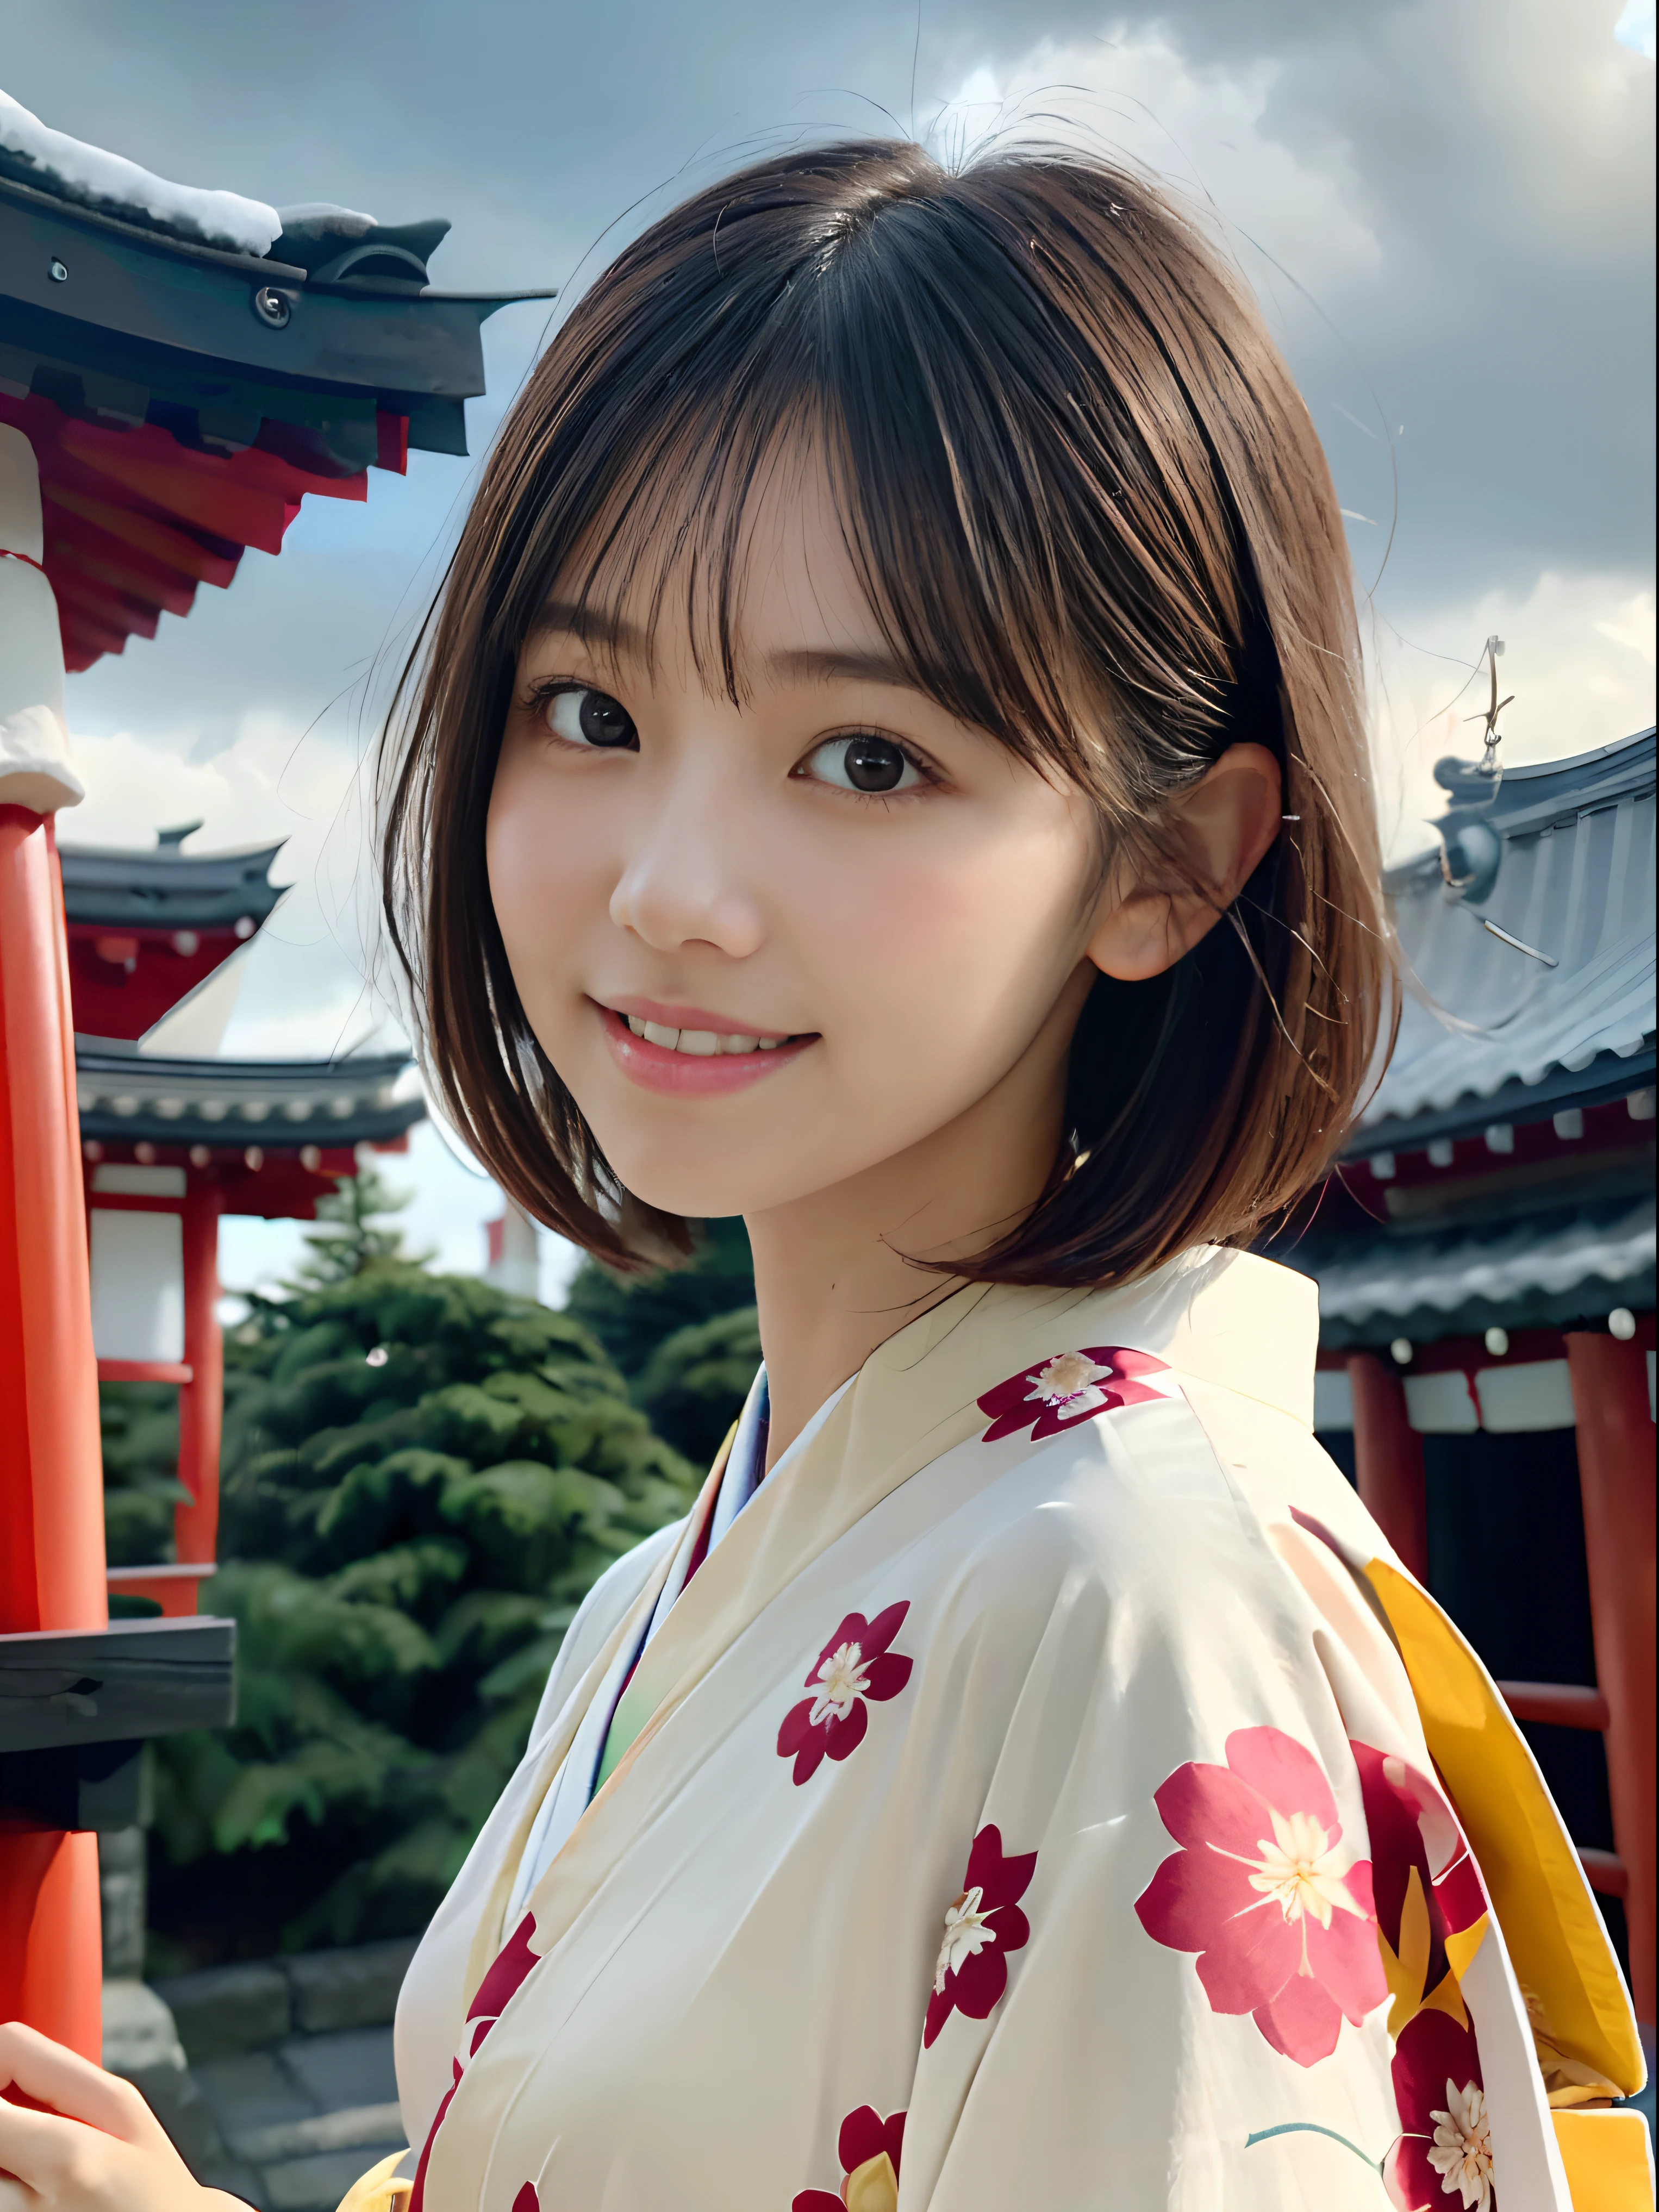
169, 1144
1486, 1260
180, 369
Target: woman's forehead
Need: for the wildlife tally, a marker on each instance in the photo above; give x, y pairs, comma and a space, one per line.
787, 603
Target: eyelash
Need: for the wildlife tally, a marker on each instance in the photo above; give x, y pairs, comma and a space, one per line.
930, 776
546, 689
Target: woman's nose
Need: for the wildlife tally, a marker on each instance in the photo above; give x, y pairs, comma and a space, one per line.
684, 881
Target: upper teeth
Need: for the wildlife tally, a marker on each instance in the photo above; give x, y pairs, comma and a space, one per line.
701, 1043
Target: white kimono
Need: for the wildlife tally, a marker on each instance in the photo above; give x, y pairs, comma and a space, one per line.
1048, 1791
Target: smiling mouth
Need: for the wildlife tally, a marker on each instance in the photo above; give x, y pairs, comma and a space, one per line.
678, 1061
702, 1044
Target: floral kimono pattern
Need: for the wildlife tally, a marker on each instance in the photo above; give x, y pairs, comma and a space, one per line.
1280, 1916
855, 1670
1050, 1792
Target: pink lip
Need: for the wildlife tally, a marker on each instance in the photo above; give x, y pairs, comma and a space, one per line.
687, 1017
683, 1075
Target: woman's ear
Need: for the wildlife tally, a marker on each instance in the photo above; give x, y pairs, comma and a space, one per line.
1221, 830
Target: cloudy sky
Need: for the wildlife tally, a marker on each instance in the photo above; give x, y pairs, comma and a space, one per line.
1446, 209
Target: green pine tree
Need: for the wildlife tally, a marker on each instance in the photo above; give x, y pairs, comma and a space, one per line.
631, 1314
687, 1338
140, 1424
349, 1238
693, 1384
422, 1478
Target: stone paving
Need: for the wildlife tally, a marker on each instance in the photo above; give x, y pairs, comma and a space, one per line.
274, 2078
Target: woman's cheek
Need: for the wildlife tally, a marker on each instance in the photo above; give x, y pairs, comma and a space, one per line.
966, 932
928, 992
546, 884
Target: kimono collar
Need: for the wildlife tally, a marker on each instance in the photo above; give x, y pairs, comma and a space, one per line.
1224, 1319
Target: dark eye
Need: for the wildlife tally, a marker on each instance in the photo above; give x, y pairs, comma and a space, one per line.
585, 717
865, 763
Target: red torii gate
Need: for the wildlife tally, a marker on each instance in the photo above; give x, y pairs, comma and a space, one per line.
170, 1141
175, 403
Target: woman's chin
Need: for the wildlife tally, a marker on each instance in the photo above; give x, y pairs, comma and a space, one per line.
696, 1197
712, 1190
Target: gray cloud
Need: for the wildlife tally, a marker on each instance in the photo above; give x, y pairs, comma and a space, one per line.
1500, 153
1465, 190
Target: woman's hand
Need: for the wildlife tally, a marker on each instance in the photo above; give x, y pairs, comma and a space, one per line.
98, 2149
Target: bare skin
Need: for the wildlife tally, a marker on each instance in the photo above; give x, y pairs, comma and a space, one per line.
109, 2155
917, 959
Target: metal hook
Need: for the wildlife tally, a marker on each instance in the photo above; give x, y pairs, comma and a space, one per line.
1490, 765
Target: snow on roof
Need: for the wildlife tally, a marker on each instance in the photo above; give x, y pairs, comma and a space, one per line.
71, 170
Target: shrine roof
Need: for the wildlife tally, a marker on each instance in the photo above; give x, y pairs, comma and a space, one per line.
1561, 857
189, 366
1545, 1269
127, 1096
169, 888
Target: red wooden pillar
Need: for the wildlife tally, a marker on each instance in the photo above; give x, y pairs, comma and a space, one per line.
1388, 1461
201, 1400
1616, 1476
51, 1503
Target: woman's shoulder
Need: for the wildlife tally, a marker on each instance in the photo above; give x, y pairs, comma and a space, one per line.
1170, 1509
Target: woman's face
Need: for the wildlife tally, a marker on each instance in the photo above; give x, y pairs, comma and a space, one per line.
770, 947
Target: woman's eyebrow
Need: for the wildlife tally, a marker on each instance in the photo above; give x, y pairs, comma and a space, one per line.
801, 665
595, 626
609, 633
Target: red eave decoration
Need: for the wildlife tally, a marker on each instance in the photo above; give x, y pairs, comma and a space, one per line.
122, 980
134, 521
274, 1185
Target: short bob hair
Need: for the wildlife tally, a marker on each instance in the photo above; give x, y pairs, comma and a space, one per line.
1092, 517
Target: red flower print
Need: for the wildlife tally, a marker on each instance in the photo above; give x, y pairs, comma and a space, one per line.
1445, 2150
1285, 1929
854, 1665
508, 1971
869, 2150
1072, 1387
1425, 1883
981, 1929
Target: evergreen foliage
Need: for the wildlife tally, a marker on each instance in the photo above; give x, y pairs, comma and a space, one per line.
632, 1315
687, 1339
351, 1235
421, 1477
140, 1424
693, 1385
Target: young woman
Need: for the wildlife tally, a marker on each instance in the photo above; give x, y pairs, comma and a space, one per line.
890, 764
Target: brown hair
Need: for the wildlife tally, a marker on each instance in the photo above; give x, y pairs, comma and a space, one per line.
1092, 517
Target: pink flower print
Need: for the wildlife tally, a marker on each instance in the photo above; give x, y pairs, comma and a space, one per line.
1284, 1926
1072, 1387
981, 1929
1445, 2148
854, 1666
869, 2149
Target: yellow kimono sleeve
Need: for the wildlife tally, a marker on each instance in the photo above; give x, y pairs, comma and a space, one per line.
1554, 1933
1608, 2160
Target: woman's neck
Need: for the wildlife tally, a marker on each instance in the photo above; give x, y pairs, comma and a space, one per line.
833, 1272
